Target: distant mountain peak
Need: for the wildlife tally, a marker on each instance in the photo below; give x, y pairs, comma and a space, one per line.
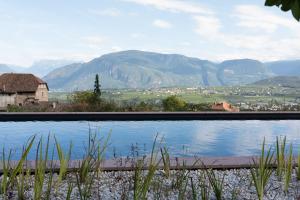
142, 69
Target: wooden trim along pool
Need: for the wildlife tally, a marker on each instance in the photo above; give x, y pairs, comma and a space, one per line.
145, 116
128, 164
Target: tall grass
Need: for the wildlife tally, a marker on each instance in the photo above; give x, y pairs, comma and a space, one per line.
50, 179
40, 167
280, 156
90, 164
216, 182
63, 159
262, 171
182, 178
288, 169
166, 161
204, 187
298, 166
194, 189
209, 183
143, 182
10, 174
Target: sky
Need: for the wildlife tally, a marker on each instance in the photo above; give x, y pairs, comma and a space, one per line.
81, 30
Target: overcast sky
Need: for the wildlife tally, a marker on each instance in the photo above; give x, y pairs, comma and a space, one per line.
84, 29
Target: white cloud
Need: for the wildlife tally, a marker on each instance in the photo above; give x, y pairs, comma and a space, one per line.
174, 6
162, 24
94, 41
269, 45
186, 44
137, 35
207, 26
112, 12
252, 16
116, 48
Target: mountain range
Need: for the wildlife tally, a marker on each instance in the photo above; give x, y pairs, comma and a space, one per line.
139, 69
283, 81
39, 68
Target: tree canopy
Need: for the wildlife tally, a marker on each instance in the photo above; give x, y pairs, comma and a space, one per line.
287, 5
97, 86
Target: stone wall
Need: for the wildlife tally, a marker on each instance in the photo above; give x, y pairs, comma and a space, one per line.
22, 97
7, 99
42, 93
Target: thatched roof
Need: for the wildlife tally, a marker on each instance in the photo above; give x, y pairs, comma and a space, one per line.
12, 83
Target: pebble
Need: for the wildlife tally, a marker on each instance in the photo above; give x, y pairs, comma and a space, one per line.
119, 185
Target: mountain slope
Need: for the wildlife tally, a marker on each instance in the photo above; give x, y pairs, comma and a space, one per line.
5, 68
135, 69
42, 67
241, 71
284, 81
285, 68
138, 69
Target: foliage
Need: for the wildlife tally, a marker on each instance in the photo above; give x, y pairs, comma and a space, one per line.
10, 175
41, 167
287, 5
262, 171
97, 86
198, 107
63, 159
166, 161
173, 103
84, 97
142, 182
217, 183
16, 180
288, 169
14, 108
298, 166
280, 156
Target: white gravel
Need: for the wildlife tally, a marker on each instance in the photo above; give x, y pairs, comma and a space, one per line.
119, 185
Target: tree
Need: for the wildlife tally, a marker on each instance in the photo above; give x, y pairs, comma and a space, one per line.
97, 86
286, 5
173, 103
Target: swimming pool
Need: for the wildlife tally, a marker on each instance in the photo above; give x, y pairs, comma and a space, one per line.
183, 138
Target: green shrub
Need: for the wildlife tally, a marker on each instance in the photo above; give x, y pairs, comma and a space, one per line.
14, 108
84, 97
173, 103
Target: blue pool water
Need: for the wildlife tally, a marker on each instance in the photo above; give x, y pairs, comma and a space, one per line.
183, 138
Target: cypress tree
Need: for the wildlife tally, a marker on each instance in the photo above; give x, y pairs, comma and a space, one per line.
97, 86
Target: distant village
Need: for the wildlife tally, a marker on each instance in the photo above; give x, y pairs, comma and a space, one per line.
27, 89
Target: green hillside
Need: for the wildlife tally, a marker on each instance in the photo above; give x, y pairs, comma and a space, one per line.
138, 69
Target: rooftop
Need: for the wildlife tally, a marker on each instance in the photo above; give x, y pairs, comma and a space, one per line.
15, 82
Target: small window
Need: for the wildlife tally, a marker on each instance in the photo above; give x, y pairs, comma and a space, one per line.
42, 94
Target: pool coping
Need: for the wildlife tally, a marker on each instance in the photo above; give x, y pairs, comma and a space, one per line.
145, 116
128, 164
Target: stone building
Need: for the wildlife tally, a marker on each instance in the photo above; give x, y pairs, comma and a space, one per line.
224, 106
21, 89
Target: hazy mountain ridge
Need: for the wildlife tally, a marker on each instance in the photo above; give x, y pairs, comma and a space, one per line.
285, 67
139, 69
5, 68
43, 67
39, 68
283, 81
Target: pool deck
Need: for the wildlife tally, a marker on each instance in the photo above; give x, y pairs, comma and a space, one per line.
145, 116
127, 164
